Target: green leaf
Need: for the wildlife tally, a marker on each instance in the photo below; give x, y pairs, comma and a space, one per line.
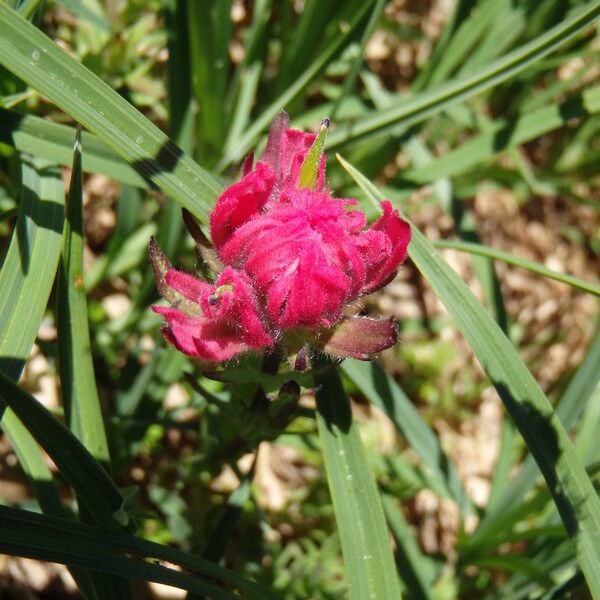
511, 259
57, 540
369, 564
415, 570
28, 272
545, 436
309, 171
33, 57
78, 387
89, 480
382, 390
503, 135
407, 112
54, 142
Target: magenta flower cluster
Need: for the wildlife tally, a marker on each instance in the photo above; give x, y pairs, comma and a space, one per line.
293, 257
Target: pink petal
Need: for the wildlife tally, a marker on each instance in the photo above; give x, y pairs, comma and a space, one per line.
240, 202
384, 247
181, 329
359, 337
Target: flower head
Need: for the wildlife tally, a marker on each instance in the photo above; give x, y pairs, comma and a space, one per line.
293, 257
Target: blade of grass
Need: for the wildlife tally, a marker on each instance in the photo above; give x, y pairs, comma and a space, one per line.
415, 571
33, 57
89, 480
511, 259
78, 386
250, 136
544, 434
407, 112
54, 142
37, 238
209, 25
503, 135
369, 564
384, 392
28, 272
66, 541
568, 409
350, 78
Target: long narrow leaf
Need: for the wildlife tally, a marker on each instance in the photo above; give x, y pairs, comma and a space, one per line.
545, 436
382, 390
78, 386
29, 54
423, 105
89, 480
369, 564
89, 541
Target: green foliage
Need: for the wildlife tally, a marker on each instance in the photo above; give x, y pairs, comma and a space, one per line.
157, 459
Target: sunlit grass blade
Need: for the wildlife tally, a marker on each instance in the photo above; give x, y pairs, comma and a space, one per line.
415, 570
247, 75
262, 121
382, 390
568, 408
59, 540
368, 560
503, 135
79, 393
209, 26
357, 61
530, 265
544, 434
409, 111
54, 142
89, 480
37, 60
28, 272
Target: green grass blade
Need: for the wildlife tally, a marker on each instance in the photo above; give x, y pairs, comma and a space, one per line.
568, 409
503, 135
406, 112
51, 533
358, 60
530, 265
89, 480
209, 26
382, 390
415, 571
78, 385
54, 142
369, 564
28, 272
37, 60
262, 122
544, 434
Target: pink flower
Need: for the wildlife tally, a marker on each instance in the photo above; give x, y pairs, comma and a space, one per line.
294, 256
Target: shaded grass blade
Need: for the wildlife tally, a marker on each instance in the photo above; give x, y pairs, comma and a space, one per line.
28, 272
414, 569
59, 540
89, 480
382, 390
544, 434
369, 564
33, 57
409, 111
54, 142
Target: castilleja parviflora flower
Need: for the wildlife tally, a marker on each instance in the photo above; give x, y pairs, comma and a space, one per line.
290, 258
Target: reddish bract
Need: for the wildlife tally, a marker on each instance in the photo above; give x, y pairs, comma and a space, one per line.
294, 258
